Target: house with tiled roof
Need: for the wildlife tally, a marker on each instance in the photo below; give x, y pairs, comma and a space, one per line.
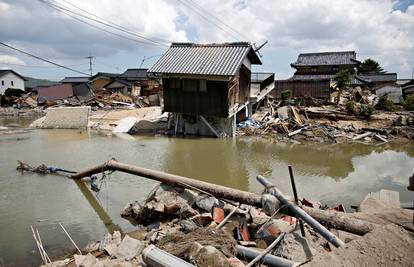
314, 73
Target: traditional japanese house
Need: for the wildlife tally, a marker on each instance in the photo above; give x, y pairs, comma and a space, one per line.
314, 73
206, 85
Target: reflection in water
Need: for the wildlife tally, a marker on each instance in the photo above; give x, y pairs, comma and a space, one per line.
331, 173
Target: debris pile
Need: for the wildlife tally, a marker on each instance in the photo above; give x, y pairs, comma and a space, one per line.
330, 124
193, 228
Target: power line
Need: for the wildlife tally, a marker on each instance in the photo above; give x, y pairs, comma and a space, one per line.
218, 19
111, 22
207, 19
63, 9
39, 67
42, 59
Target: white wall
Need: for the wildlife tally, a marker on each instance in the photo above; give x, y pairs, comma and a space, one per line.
6, 79
394, 93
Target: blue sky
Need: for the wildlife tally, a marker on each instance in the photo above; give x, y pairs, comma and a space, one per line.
379, 29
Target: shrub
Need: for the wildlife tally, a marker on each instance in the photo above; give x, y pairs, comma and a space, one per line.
385, 104
408, 104
350, 107
14, 92
365, 111
286, 95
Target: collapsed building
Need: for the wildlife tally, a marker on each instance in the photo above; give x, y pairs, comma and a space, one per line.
206, 85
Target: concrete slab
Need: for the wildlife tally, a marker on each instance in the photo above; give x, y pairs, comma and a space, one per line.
66, 118
125, 125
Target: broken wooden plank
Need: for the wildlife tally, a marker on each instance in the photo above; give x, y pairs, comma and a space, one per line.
360, 136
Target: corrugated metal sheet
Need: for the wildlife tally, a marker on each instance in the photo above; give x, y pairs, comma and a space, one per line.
209, 59
326, 58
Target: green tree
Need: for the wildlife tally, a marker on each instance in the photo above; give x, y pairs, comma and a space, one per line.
342, 78
370, 66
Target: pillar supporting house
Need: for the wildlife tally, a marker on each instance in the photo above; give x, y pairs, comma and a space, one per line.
206, 85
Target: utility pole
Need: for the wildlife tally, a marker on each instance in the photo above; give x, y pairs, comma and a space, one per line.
90, 63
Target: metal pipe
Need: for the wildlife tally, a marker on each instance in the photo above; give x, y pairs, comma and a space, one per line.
331, 238
156, 257
269, 260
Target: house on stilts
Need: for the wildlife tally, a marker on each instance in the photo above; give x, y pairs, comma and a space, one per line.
205, 86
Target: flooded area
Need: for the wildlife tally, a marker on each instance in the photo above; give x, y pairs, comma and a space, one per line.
331, 173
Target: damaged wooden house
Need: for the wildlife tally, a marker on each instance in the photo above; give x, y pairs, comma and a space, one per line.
314, 74
206, 85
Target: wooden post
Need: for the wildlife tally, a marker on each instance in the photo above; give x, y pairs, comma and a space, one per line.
295, 195
331, 238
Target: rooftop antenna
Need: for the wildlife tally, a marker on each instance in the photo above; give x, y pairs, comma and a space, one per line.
257, 48
142, 62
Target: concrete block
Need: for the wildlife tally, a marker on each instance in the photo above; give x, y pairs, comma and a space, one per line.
129, 248
66, 118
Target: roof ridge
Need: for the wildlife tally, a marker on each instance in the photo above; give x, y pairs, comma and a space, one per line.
327, 52
241, 43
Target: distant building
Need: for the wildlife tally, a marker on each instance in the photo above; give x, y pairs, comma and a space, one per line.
10, 79
206, 85
376, 80
132, 81
314, 73
75, 80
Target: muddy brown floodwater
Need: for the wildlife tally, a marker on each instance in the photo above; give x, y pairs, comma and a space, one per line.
332, 173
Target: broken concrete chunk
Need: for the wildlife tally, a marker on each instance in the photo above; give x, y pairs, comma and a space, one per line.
105, 241
66, 118
210, 256
125, 124
187, 226
207, 202
258, 216
85, 261
92, 246
129, 248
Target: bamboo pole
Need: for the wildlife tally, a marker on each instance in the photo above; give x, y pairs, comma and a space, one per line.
331, 238
73, 242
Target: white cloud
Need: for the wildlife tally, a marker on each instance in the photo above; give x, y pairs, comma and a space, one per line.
7, 59
370, 27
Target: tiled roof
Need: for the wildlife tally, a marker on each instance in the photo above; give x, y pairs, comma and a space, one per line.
4, 72
372, 78
326, 58
204, 59
134, 74
84, 79
308, 77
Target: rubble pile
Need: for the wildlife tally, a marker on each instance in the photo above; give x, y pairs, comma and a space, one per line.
351, 121
193, 228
